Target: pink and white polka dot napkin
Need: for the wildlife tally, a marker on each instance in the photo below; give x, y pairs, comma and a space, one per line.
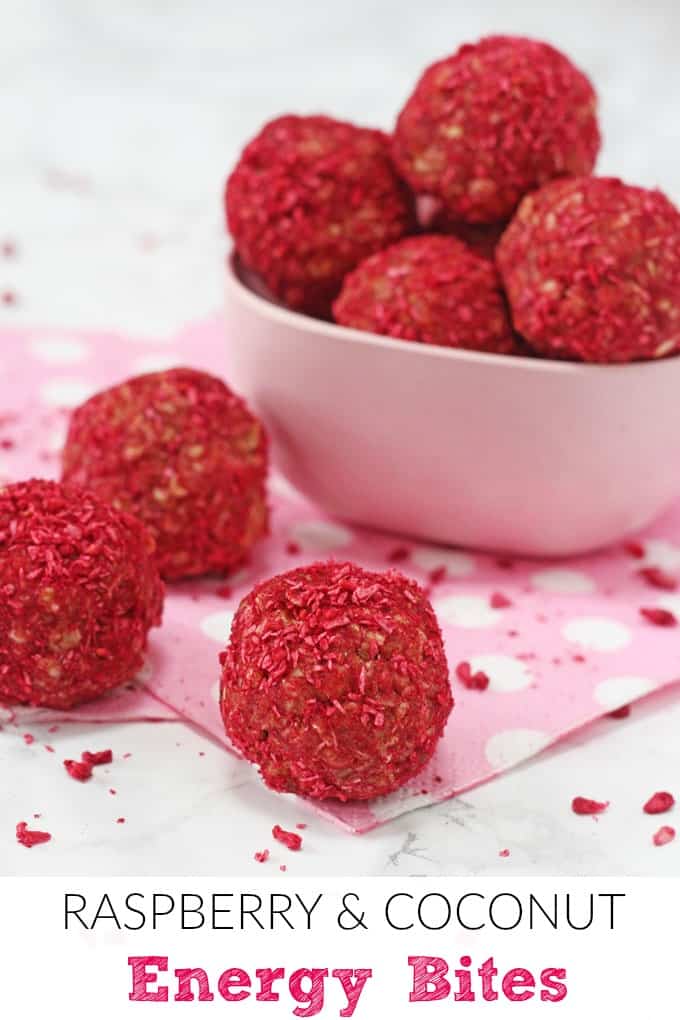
561, 644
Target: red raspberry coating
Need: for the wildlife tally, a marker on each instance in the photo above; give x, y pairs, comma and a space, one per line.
185, 455
79, 591
493, 121
309, 199
592, 271
431, 289
335, 681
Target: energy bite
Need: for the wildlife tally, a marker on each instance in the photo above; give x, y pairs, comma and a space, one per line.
310, 198
79, 590
335, 681
591, 267
430, 289
185, 455
493, 121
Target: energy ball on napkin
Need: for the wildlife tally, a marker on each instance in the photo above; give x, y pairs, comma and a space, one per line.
185, 455
335, 681
494, 121
431, 289
80, 590
309, 198
592, 271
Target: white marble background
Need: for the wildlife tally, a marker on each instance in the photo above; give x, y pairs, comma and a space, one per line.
118, 123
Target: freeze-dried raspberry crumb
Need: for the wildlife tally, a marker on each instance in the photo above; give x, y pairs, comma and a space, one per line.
113, 792
29, 739
503, 853
289, 839
261, 856
31, 837
97, 757
9, 297
293, 549
7, 444
634, 548
120, 821
658, 578
301, 825
620, 713
585, 806
659, 617
666, 834
659, 803
398, 554
499, 601
80, 770
8, 249
283, 867
225, 592
48, 747
478, 681
437, 575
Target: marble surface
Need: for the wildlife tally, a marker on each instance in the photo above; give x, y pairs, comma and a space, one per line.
119, 125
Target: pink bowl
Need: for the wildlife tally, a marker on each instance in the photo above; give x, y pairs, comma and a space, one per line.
516, 455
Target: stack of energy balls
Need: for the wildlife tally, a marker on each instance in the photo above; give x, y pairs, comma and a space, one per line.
475, 225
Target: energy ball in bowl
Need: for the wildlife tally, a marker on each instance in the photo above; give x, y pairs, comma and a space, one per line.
592, 271
185, 455
335, 681
80, 591
495, 120
309, 198
431, 289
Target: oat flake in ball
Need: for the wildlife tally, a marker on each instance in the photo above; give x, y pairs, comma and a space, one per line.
185, 455
495, 120
592, 271
335, 681
431, 289
309, 198
79, 591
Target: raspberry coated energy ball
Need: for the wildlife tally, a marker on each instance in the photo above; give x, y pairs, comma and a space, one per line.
494, 121
185, 455
335, 681
309, 198
430, 289
80, 590
592, 271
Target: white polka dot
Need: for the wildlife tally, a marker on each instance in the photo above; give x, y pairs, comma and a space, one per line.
66, 392
505, 673
218, 625
466, 611
597, 634
55, 441
563, 582
671, 603
145, 673
157, 361
280, 486
509, 747
662, 554
620, 690
321, 536
60, 349
457, 564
